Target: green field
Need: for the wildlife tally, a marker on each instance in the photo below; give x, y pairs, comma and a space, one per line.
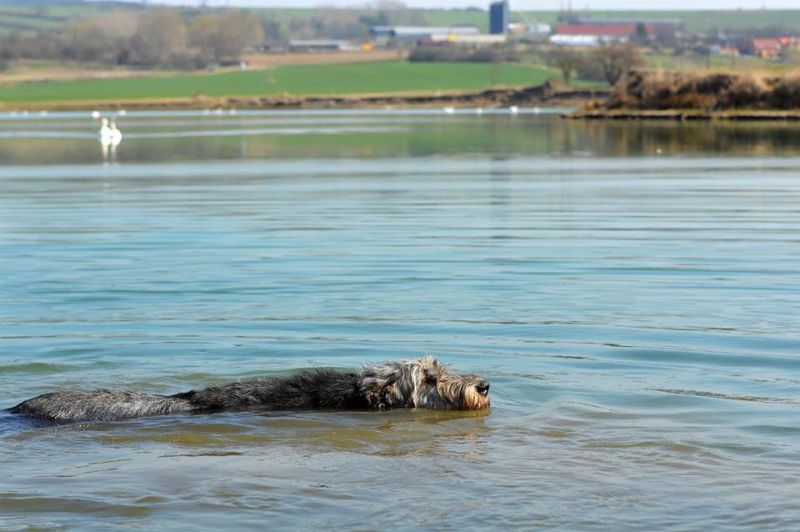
358, 78
695, 62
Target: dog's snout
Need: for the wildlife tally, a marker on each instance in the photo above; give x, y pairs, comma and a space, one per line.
482, 387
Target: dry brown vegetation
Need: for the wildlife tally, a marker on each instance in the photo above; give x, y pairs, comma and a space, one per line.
705, 91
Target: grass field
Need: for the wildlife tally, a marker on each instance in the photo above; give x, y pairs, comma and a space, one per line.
700, 63
361, 78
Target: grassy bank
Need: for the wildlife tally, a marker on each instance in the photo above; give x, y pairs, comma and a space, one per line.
297, 80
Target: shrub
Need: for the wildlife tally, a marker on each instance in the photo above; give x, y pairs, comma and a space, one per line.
463, 54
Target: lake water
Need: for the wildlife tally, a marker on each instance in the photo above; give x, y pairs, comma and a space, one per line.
632, 292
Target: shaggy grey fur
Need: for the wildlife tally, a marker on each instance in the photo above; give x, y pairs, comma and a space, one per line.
421, 383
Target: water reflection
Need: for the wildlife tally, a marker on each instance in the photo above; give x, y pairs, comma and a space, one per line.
395, 433
62, 140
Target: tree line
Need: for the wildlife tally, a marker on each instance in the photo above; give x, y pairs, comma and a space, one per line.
192, 38
154, 38
608, 62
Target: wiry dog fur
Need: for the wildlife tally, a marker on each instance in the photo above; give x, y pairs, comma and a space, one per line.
421, 383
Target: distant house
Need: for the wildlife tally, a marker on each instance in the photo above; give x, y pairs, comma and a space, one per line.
767, 48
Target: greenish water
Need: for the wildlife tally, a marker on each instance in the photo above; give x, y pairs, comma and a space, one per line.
630, 290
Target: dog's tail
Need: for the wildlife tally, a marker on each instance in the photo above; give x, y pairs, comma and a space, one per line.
100, 405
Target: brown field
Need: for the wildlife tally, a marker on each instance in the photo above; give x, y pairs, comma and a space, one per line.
23, 71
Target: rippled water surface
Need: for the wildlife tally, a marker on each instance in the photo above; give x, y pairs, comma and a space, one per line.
632, 291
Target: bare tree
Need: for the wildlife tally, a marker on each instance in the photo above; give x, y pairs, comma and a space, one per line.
224, 36
84, 40
160, 35
564, 59
616, 60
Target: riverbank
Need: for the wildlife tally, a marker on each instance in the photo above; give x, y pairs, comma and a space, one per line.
547, 94
684, 115
699, 96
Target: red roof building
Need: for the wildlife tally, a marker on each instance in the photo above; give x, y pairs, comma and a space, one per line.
596, 30
767, 48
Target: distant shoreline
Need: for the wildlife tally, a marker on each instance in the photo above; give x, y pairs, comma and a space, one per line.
546, 95
741, 115
657, 95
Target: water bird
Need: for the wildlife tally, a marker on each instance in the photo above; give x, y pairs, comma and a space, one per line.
122, 112
110, 137
449, 110
513, 109
95, 114
116, 134
479, 111
105, 131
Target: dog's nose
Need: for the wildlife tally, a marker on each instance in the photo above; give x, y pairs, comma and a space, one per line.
482, 387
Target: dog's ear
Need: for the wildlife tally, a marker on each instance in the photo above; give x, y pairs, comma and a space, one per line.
430, 369
381, 385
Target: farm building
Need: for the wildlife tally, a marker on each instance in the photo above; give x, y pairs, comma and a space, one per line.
591, 32
419, 33
498, 17
319, 45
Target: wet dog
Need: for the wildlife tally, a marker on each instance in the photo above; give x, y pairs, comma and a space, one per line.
420, 383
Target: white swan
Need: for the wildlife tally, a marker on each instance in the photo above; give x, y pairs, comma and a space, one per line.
116, 134
105, 131
514, 109
449, 110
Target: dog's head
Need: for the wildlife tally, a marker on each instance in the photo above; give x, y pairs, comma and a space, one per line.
422, 383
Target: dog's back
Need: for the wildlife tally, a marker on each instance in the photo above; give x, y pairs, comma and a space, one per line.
99, 405
319, 388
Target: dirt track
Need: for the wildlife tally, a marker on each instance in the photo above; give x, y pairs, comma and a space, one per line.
37, 71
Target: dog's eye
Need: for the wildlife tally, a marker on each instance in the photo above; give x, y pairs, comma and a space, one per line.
430, 379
